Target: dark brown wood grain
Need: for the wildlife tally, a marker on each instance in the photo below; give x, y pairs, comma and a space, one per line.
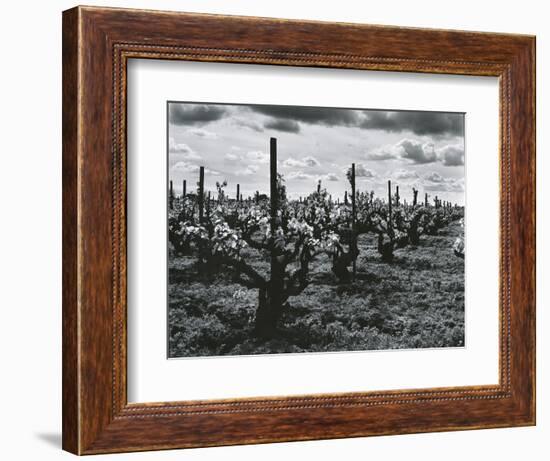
97, 43
70, 383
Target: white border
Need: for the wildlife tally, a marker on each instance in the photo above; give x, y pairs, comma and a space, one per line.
151, 377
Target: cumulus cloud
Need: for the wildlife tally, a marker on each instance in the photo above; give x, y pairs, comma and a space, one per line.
202, 133
308, 161
311, 161
249, 170
292, 162
289, 126
195, 114
329, 177
182, 149
434, 177
452, 155
416, 151
362, 172
419, 152
437, 183
238, 147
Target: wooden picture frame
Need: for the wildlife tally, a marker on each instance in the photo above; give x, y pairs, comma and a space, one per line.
97, 43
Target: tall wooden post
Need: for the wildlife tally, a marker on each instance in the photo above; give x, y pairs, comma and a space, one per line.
426, 199
415, 196
389, 202
319, 186
273, 182
276, 282
353, 212
238, 191
201, 194
201, 217
396, 196
345, 197
171, 196
184, 193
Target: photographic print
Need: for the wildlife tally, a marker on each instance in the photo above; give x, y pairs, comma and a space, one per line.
297, 229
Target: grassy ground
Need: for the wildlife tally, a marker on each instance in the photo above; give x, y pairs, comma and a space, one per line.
415, 302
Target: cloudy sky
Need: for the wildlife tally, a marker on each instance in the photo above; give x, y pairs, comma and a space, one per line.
414, 149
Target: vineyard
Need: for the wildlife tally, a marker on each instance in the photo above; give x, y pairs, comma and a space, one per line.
266, 274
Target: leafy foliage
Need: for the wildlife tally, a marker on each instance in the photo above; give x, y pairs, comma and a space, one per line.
293, 237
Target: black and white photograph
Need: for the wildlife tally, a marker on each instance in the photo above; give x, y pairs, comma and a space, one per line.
295, 229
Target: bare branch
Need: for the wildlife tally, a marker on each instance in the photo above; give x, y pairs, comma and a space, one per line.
299, 282
256, 280
254, 243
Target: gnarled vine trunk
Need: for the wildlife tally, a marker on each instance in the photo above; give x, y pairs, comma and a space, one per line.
268, 314
270, 301
385, 248
341, 260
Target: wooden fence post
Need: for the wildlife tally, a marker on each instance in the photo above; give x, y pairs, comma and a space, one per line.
171, 196
389, 202
353, 216
238, 191
184, 193
397, 196
201, 194
273, 182
201, 217
276, 285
